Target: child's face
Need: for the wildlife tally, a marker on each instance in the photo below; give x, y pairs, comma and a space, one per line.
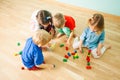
56, 23
40, 22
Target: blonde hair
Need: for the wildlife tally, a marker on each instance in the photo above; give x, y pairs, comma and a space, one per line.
97, 20
41, 37
60, 20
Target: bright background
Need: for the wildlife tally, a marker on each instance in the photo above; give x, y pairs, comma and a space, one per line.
106, 6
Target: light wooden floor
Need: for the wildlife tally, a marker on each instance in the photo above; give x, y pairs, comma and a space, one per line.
14, 27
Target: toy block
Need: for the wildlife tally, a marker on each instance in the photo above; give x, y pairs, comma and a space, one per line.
88, 67
61, 45
68, 54
77, 57
66, 48
88, 55
18, 43
88, 59
73, 53
64, 60
16, 54
89, 51
76, 54
52, 46
88, 63
74, 57
22, 68
20, 52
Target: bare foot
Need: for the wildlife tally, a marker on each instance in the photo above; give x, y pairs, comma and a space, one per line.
51, 66
108, 47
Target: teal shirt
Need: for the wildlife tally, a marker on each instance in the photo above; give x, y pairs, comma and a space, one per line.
91, 39
65, 30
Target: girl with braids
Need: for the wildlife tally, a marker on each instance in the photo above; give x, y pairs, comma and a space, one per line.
93, 37
42, 19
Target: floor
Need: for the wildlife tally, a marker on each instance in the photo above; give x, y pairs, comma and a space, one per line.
15, 28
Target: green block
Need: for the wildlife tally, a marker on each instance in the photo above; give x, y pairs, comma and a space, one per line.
20, 52
64, 60
77, 57
88, 63
61, 45
18, 43
74, 57
88, 53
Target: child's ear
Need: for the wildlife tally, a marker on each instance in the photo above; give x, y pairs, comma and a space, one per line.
39, 45
65, 20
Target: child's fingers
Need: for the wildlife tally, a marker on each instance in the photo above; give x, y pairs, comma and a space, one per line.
80, 49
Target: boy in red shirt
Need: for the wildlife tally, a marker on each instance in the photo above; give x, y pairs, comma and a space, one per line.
65, 25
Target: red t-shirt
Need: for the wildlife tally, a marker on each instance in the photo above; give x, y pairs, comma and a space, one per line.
70, 22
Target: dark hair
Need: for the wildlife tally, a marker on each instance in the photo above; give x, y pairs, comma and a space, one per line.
97, 20
44, 16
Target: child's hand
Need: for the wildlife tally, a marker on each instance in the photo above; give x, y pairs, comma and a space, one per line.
68, 43
98, 52
80, 48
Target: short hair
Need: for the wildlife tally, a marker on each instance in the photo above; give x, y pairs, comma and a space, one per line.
60, 20
44, 16
97, 20
41, 37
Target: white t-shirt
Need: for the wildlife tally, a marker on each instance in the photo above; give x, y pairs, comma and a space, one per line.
34, 23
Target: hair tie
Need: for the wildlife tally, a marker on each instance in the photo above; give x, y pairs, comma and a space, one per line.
48, 17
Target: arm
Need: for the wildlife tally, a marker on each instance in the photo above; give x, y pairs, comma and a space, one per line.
60, 33
38, 56
100, 44
80, 45
70, 37
82, 38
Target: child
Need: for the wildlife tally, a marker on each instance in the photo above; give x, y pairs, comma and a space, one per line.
32, 56
93, 36
65, 25
42, 19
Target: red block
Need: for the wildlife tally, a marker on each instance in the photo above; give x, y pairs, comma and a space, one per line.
73, 53
89, 51
66, 56
88, 59
88, 67
66, 48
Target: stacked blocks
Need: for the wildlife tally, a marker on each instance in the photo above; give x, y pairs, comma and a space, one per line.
75, 55
88, 60
66, 57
